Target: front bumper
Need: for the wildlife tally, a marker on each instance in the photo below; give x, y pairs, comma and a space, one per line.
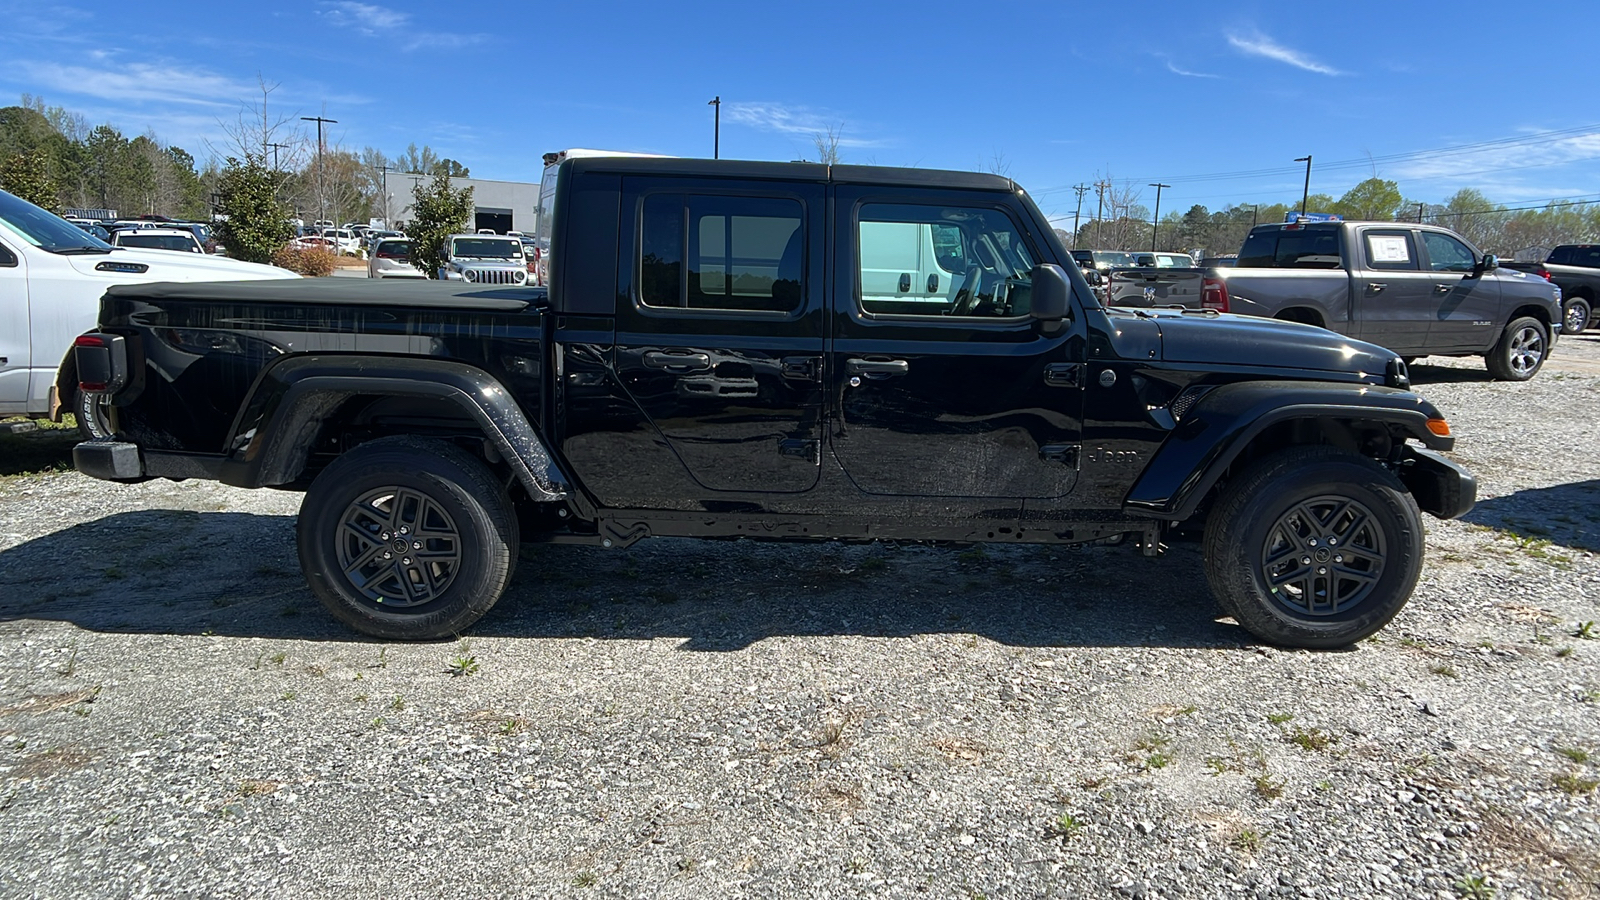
1441, 487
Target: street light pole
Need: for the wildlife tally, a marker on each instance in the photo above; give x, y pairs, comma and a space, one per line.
275, 147
1155, 221
322, 206
386, 170
1305, 194
716, 128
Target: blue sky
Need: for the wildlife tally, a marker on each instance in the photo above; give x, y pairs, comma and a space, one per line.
1052, 93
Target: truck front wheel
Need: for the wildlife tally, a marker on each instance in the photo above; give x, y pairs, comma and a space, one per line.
1520, 352
1313, 547
407, 538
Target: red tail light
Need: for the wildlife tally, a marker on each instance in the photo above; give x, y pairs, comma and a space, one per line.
1214, 294
1542, 272
89, 340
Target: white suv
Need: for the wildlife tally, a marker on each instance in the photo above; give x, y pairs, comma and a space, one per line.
157, 239
484, 259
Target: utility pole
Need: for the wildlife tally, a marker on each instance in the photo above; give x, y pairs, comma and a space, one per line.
1305, 194
716, 127
1419, 213
275, 147
1155, 220
1081, 189
1255, 209
322, 205
1099, 209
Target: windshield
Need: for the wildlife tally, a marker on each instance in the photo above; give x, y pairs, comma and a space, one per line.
485, 248
1114, 258
46, 230
158, 242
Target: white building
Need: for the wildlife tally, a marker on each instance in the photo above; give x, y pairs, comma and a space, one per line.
501, 205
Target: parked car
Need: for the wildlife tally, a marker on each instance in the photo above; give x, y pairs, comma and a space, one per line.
158, 239
52, 274
1104, 260
1419, 290
1161, 260
483, 259
391, 258
714, 362
1575, 268
310, 241
94, 228
346, 242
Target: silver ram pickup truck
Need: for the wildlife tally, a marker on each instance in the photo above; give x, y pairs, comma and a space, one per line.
1418, 290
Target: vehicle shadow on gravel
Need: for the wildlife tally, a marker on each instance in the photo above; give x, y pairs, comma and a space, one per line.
1422, 373
1565, 514
234, 574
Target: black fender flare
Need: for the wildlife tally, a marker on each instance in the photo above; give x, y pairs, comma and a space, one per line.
272, 434
1213, 434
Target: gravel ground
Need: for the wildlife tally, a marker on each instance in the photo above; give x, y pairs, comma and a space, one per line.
179, 717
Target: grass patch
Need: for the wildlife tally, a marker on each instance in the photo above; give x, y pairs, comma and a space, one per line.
1576, 754
1268, 788
1576, 784
47, 449
1312, 739
1279, 718
1445, 670
1065, 826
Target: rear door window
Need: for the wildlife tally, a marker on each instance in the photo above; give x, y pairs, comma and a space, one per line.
1390, 250
725, 253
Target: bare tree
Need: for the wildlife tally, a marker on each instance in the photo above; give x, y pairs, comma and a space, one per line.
827, 143
260, 133
998, 165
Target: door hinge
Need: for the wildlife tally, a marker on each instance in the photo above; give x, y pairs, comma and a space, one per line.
799, 448
1066, 454
1063, 375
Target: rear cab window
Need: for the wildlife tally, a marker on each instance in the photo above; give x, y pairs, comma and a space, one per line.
1299, 248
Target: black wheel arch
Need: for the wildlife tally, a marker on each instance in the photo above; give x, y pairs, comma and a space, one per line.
1238, 423
298, 403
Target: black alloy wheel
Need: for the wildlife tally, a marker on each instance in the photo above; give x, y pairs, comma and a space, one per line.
1324, 556
398, 547
1313, 547
407, 538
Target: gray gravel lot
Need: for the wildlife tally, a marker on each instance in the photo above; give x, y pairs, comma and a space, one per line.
179, 717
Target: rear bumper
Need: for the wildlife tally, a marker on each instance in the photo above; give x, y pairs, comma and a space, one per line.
121, 461
1440, 486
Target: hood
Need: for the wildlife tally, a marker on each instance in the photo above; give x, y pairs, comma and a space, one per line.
169, 265
1248, 340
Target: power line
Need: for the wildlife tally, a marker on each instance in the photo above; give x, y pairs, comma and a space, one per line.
1528, 140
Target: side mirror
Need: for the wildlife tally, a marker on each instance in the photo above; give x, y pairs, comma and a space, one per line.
1490, 262
1051, 292
1093, 276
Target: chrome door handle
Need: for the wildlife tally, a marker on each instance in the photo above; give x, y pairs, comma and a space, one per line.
1441, 289
1376, 287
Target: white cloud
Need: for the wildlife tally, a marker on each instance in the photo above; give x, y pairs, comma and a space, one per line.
124, 82
793, 120
366, 18
371, 20
1258, 44
1493, 162
1187, 74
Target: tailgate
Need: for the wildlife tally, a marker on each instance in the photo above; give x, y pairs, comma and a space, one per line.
1146, 287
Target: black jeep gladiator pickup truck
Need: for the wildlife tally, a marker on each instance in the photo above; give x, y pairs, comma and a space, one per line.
727, 349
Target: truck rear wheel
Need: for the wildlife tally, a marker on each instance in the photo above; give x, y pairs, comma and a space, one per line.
1520, 352
1575, 316
93, 415
407, 538
1313, 547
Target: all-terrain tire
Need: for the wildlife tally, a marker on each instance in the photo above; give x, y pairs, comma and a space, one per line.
93, 415
1521, 350
407, 538
1284, 509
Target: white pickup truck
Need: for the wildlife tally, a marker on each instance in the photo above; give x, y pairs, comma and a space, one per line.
52, 274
